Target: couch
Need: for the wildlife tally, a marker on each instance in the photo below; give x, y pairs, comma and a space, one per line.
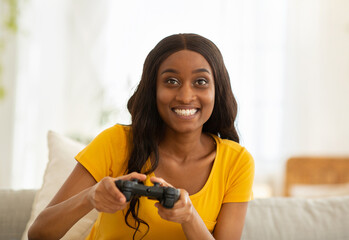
267, 218
270, 218
15, 209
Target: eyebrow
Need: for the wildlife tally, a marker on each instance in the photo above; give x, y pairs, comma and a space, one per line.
169, 70
199, 70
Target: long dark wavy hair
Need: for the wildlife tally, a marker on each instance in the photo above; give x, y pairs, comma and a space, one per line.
147, 125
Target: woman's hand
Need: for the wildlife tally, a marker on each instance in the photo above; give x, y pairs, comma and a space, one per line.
183, 210
106, 197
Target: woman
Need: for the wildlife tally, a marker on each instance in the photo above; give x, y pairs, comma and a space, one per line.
182, 135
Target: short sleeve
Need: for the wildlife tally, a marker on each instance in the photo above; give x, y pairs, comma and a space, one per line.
107, 154
240, 181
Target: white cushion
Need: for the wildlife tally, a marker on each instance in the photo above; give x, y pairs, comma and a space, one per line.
62, 151
297, 218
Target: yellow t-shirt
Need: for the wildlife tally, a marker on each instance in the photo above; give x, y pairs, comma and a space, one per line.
230, 180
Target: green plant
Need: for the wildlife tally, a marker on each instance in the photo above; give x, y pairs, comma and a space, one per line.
8, 26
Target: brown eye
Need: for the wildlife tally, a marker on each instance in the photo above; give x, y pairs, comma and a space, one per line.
201, 82
172, 81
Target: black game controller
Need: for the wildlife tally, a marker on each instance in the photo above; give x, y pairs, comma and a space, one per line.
167, 196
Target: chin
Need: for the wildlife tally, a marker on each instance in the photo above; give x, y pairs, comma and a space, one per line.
185, 129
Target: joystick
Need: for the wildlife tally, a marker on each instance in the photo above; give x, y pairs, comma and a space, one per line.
167, 196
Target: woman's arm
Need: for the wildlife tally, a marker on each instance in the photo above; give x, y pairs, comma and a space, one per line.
66, 208
78, 196
230, 221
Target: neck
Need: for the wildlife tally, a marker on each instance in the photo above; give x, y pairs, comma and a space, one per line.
183, 146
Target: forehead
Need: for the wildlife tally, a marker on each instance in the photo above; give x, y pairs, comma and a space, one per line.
185, 59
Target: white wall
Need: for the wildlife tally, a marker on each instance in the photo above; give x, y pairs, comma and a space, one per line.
54, 90
7, 109
316, 90
317, 84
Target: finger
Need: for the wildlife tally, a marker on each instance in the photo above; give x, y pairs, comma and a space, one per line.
181, 211
163, 212
182, 201
113, 191
169, 214
108, 203
183, 198
134, 175
161, 181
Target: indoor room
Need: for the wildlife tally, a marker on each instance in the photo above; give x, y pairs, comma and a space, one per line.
69, 68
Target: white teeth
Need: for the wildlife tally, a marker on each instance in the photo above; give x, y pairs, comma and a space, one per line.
185, 112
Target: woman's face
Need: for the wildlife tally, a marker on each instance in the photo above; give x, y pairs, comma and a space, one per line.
185, 91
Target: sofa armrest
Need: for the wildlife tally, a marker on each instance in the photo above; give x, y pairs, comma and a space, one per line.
15, 210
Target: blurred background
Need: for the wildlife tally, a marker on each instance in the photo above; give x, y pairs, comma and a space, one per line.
70, 66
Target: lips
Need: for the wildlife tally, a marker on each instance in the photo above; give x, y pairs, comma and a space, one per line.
185, 112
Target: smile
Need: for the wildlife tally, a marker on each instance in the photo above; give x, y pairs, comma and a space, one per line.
185, 112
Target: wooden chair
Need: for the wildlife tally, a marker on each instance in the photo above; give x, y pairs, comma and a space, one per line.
316, 170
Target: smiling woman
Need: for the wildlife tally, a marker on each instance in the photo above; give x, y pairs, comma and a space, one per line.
182, 135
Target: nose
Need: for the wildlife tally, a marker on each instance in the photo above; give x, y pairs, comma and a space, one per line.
185, 94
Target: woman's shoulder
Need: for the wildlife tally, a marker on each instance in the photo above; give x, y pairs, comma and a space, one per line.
231, 149
117, 134
116, 130
228, 144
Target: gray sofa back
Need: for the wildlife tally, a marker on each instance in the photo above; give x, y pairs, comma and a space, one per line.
15, 209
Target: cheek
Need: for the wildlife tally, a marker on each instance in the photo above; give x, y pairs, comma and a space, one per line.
162, 98
210, 99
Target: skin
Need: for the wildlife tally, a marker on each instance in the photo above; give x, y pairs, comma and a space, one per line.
184, 81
